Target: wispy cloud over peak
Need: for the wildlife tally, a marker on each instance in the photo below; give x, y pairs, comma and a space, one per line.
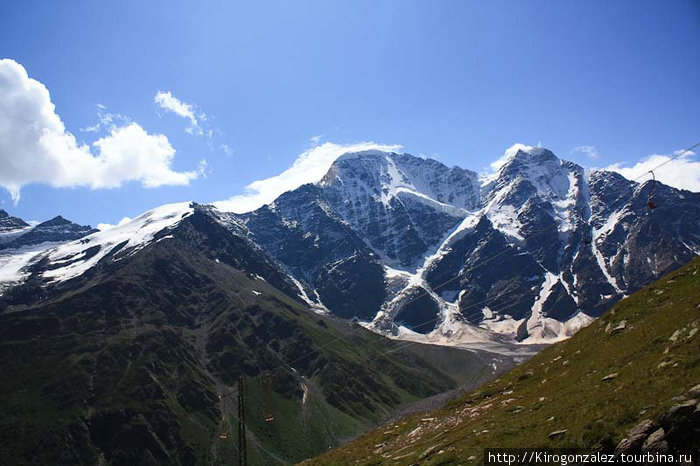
590, 151
308, 167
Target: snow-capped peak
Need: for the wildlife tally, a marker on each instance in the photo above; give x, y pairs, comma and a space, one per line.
69, 260
547, 173
371, 173
386, 175
73, 259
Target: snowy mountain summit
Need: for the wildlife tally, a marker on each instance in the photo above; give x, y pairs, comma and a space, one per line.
411, 248
380, 193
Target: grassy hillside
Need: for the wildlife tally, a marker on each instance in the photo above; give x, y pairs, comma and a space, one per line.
626, 367
125, 365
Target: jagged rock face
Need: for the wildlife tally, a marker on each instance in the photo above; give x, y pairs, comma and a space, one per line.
639, 243
8, 223
370, 210
402, 205
536, 244
11, 228
419, 313
222, 238
537, 212
510, 273
56, 230
593, 240
21, 242
321, 250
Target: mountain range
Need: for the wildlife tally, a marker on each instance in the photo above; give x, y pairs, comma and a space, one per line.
420, 250
117, 345
414, 249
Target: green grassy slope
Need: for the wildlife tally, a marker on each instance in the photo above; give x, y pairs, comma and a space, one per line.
625, 367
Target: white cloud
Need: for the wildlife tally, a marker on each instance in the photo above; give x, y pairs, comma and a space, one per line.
226, 149
130, 153
109, 226
203, 169
91, 129
106, 120
315, 140
36, 148
590, 151
167, 101
495, 165
682, 172
309, 167
509, 153
200, 122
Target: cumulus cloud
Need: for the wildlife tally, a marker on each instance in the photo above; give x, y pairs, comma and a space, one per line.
128, 153
590, 151
309, 167
35, 146
682, 172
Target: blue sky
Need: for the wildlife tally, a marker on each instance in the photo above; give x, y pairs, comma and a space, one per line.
456, 80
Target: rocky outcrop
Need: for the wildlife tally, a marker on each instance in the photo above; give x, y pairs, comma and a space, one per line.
676, 431
9, 223
56, 230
